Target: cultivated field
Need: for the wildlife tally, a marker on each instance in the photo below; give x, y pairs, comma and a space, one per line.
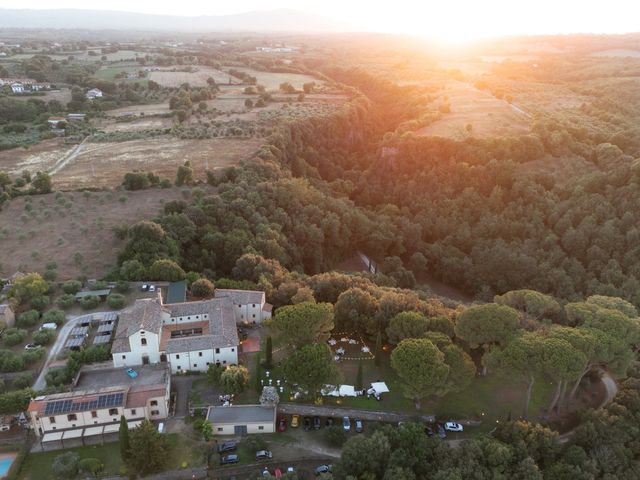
59, 226
151, 109
272, 81
195, 79
99, 165
617, 53
63, 96
41, 156
487, 115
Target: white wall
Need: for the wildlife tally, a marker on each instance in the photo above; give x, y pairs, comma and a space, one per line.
229, 429
138, 351
200, 360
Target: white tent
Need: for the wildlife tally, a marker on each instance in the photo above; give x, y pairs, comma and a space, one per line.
380, 387
347, 391
330, 391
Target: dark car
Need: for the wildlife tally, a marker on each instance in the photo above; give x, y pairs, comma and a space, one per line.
307, 423
228, 459
227, 447
263, 455
316, 423
328, 422
282, 424
323, 469
359, 426
428, 430
441, 432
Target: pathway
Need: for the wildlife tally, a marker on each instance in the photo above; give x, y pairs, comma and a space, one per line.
338, 412
56, 348
182, 386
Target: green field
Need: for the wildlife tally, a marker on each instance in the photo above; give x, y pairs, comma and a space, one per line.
109, 73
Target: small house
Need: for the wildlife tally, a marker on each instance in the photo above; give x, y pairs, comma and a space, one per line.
94, 93
53, 121
76, 117
17, 88
242, 419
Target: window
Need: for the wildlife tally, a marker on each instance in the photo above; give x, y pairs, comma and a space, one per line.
254, 305
52, 419
199, 354
254, 315
220, 429
195, 365
197, 317
155, 412
233, 349
143, 341
141, 332
124, 357
260, 427
154, 403
217, 350
208, 363
179, 367
188, 318
94, 414
133, 411
72, 417
113, 411
224, 361
239, 306
177, 357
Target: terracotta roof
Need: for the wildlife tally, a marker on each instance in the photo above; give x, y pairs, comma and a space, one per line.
141, 397
241, 297
267, 307
145, 314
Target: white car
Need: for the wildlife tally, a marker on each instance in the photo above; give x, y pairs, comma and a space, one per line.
152, 288
453, 427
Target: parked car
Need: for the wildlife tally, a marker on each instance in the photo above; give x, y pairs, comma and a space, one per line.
323, 469
359, 426
152, 288
227, 447
316, 423
328, 422
453, 427
307, 423
346, 423
32, 346
295, 421
441, 433
132, 373
144, 287
263, 455
161, 427
282, 424
228, 459
428, 430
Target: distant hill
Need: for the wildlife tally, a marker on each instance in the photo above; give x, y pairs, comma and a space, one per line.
282, 20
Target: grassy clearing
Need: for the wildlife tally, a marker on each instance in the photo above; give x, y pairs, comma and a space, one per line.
37, 466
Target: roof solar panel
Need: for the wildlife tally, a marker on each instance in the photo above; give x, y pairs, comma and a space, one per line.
58, 407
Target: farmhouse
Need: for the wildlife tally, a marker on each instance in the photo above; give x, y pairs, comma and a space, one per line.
76, 117
242, 419
53, 121
94, 93
17, 88
7, 317
189, 335
98, 398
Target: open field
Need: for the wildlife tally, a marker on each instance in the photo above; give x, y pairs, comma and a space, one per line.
272, 81
58, 226
63, 96
41, 156
487, 115
109, 73
151, 109
99, 165
143, 123
195, 79
617, 53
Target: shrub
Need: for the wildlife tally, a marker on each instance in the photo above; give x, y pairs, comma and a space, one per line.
87, 303
202, 288
66, 465
65, 301
44, 337
72, 287
23, 381
101, 285
39, 303
14, 336
116, 301
92, 466
28, 319
54, 316
122, 286
50, 275
335, 436
254, 443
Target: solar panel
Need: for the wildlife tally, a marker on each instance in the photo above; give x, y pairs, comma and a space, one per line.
58, 407
99, 339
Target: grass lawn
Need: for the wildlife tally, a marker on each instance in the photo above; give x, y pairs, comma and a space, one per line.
37, 466
109, 73
185, 452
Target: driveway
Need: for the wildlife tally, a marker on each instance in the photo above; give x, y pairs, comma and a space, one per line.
182, 386
337, 412
56, 348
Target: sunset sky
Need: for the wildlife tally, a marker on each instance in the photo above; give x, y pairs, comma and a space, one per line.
450, 20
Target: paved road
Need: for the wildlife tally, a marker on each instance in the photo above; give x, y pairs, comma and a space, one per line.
56, 348
311, 410
250, 471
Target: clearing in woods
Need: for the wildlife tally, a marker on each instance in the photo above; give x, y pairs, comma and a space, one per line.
487, 115
74, 229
